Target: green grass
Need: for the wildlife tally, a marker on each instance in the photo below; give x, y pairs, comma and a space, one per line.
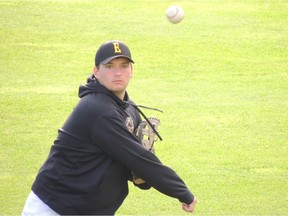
220, 76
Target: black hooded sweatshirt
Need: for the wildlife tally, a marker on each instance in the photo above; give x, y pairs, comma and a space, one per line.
93, 155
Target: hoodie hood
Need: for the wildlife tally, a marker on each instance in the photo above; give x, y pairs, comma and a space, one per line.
93, 86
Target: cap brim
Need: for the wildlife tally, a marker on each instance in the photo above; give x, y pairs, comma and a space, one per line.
114, 57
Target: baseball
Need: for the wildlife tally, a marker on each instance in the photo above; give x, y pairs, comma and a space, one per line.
174, 14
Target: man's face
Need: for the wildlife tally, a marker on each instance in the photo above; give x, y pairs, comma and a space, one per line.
115, 75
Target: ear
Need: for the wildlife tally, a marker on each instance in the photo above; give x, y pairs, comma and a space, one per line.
96, 72
131, 75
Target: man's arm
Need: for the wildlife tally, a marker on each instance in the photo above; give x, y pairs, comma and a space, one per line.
124, 147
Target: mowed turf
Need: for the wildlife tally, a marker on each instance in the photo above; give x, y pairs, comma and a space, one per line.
220, 76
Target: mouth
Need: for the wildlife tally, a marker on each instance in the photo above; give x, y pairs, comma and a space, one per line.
117, 81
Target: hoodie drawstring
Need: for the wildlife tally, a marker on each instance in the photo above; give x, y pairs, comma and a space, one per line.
144, 116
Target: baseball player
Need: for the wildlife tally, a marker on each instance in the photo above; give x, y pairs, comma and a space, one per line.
99, 148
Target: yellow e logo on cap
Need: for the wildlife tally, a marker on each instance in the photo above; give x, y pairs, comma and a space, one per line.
116, 48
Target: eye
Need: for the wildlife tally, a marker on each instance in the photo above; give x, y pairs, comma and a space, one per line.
108, 66
125, 66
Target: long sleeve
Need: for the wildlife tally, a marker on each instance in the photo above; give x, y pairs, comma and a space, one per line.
123, 147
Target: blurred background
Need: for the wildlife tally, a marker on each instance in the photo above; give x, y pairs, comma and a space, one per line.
220, 77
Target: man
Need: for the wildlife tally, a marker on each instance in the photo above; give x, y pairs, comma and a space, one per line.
96, 152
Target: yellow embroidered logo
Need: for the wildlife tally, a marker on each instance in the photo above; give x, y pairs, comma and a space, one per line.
116, 48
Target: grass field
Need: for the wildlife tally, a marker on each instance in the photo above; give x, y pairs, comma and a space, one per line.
220, 76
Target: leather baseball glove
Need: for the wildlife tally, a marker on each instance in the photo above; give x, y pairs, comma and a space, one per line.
147, 136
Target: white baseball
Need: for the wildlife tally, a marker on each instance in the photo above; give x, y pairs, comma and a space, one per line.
174, 14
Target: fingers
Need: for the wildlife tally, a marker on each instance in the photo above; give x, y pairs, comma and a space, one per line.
189, 207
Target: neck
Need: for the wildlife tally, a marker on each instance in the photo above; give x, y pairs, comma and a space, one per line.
120, 95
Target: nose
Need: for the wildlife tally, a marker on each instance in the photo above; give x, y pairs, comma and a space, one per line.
117, 71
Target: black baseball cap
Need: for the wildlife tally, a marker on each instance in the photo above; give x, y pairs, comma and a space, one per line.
110, 50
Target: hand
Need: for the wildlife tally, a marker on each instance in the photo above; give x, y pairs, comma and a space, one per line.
189, 208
